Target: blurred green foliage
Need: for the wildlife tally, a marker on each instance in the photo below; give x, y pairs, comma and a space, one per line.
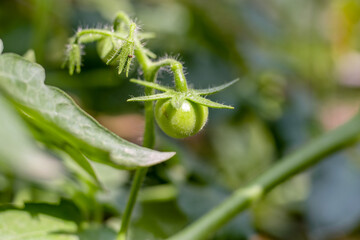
298, 62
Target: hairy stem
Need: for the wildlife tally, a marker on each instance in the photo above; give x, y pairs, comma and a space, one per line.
179, 77
121, 17
285, 169
150, 70
177, 68
93, 34
150, 74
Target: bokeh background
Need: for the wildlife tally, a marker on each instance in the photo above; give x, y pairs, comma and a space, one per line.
299, 67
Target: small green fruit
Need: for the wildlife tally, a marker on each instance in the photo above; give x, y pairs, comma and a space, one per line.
181, 122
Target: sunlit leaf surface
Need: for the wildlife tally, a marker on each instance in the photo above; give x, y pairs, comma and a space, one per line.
53, 111
18, 152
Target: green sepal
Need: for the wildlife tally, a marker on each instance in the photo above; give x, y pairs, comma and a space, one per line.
177, 100
151, 97
213, 90
125, 54
207, 102
106, 46
179, 97
129, 57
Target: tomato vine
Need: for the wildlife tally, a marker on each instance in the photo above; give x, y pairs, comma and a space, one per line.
179, 112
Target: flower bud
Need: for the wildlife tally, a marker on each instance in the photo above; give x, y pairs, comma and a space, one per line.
74, 58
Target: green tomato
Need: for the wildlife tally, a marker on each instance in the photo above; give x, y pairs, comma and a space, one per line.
182, 122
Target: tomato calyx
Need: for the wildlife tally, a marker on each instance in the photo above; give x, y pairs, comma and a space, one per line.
181, 114
177, 97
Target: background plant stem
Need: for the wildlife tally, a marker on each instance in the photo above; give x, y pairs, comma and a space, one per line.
283, 170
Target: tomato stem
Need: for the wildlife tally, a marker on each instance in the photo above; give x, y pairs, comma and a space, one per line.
121, 16
177, 69
179, 77
93, 34
150, 74
150, 70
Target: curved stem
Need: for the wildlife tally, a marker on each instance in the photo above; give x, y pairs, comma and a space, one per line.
165, 62
177, 69
179, 77
132, 31
285, 169
93, 34
121, 16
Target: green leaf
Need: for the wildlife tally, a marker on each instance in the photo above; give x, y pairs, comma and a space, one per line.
150, 85
52, 110
18, 152
97, 232
17, 224
81, 160
151, 97
40, 222
60, 147
215, 89
161, 219
207, 102
65, 210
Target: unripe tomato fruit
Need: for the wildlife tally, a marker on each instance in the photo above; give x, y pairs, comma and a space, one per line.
181, 122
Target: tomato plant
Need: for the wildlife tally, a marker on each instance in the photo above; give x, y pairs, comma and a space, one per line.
66, 176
